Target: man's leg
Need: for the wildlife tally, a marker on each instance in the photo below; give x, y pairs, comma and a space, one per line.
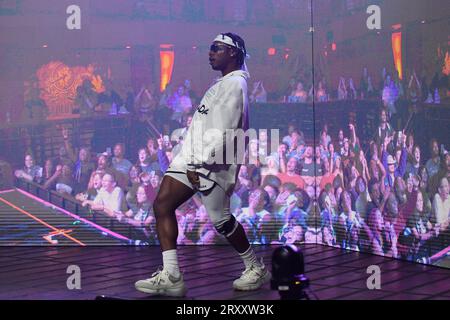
171, 195
217, 204
168, 281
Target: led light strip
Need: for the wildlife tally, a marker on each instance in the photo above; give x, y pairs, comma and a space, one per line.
112, 233
41, 221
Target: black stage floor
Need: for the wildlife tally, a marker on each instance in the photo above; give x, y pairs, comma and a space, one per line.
40, 273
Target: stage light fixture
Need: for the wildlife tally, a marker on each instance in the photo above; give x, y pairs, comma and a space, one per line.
288, 276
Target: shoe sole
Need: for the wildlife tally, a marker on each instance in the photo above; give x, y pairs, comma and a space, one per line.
164, 292
254, 286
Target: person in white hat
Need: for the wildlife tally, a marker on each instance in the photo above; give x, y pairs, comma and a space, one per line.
393, 168
195, 169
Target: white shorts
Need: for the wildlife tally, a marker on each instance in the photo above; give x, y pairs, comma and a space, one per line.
214, 198
179, 173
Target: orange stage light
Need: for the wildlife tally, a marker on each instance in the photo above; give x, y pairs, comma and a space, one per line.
167, 57
397, 52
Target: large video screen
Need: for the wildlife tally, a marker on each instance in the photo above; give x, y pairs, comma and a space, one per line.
381, 74
348, 107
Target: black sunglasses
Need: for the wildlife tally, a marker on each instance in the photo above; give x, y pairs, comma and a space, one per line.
215, 47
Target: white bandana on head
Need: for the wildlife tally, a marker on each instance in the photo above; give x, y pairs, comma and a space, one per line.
227, 40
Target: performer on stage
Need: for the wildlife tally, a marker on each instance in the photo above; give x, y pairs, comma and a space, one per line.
194, 169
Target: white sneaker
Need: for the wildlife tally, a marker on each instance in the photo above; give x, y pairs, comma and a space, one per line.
252, 278
162, 283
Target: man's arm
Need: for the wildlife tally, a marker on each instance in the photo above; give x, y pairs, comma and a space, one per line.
384, 156
353, 138
97, 203
226, 114
402, 165
68, 145
23, 175
162, 157
70, 150
53, 178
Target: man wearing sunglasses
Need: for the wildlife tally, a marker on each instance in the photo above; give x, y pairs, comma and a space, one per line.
194, 169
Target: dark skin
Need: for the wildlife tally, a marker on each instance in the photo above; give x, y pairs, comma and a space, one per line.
174, 193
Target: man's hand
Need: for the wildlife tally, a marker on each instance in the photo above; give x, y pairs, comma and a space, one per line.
291, 206
58, 170
119, 216
281, 198
193, 178
86, 203
19, 173
403, 140
351, 127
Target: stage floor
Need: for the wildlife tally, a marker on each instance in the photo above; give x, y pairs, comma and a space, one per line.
40, 273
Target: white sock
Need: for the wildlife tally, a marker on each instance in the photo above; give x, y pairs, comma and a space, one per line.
249, 258
170, 262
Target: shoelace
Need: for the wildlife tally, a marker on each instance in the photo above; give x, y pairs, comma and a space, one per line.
253, 268
158, 274
247, 271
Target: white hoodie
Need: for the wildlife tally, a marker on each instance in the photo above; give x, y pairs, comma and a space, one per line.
223, 107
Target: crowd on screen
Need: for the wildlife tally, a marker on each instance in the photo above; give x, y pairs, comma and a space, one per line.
389, 89
178, 101
387, 200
